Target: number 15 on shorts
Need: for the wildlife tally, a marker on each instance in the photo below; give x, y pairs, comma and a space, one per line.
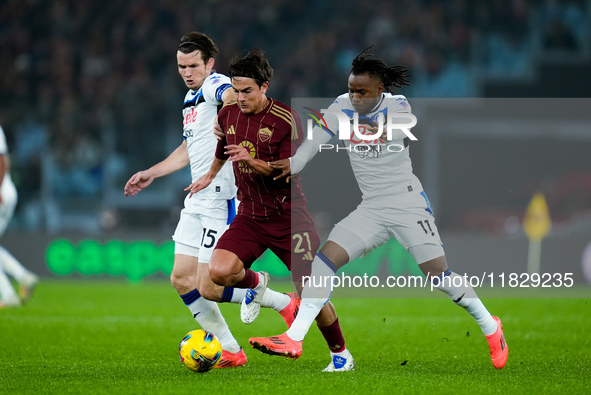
208, 238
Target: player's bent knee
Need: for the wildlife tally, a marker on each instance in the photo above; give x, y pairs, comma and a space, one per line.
218, 276
434, 267
181, 284
209, 290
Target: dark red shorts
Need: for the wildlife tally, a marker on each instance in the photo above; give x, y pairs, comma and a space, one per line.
292, 236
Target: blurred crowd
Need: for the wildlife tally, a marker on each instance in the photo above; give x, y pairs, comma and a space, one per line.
90, 88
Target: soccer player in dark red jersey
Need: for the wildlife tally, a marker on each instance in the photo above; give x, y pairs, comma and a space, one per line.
272, 213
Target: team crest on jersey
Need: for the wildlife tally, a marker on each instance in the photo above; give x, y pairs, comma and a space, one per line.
265, 134
231, 130
249, 147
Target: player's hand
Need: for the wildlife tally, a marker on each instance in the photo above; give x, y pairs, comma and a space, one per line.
137, 182
217, 130
237, 153
374, 128
285, 166
199, 184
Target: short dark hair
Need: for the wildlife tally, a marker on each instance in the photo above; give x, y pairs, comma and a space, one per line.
395, 76
254, 65
195, 41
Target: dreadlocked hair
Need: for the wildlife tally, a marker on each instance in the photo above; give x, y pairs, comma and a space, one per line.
394, 76
254, 65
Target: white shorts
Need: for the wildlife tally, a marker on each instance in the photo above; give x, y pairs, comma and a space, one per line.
9, 199
201, 226
408, 217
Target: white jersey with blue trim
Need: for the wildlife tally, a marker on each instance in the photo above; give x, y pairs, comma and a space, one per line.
382, 168
200, 109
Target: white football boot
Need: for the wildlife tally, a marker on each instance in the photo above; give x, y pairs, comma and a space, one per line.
341, 362
251, 304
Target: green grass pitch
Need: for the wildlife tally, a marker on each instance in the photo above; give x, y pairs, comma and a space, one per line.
108, 336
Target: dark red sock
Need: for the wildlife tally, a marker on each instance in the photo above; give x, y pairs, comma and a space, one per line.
250, 280
333, 336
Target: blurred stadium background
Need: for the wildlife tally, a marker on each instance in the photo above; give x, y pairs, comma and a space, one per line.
89, 94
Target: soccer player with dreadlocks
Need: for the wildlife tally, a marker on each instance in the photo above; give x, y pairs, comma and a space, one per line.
393, 205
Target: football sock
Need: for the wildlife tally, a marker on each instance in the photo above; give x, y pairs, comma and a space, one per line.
463, 295
250, 280
7, 293
11, 265
334, 337
275, 300
233, 295
316, 293
208, 315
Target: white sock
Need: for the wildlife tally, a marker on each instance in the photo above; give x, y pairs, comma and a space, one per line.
275, 300
209, 316
7, 293
233, 295
463, 295
315, 294
12, 266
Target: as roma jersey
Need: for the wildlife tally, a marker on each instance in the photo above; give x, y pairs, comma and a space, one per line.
272, 134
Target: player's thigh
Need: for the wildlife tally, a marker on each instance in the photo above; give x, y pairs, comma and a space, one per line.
413, 224
188, 231
201, 231
359, 233
242, 239
295, 243
212, 230
184, 270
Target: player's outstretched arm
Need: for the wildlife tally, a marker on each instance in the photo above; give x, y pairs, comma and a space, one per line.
178, 159
303, 155
204, 181
137, 182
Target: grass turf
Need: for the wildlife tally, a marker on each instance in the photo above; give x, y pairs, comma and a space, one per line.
114, 337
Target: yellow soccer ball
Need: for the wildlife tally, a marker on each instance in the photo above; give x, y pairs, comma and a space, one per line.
200, 351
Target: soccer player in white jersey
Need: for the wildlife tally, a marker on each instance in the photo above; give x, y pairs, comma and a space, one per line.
9, 266
393, 205
207, 215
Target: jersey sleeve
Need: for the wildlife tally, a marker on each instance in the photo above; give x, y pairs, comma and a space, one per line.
220, 150
331, 121
398, 104
215, 87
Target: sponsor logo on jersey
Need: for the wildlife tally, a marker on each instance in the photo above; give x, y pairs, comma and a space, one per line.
249, 147
231, 130
243, 167
190, 116
265, 134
